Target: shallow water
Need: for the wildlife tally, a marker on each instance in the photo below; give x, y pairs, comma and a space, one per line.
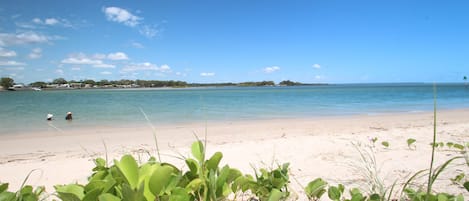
25, 111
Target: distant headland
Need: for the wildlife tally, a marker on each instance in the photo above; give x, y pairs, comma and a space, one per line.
60, 83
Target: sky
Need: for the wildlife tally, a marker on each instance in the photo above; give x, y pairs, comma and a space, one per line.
312, 41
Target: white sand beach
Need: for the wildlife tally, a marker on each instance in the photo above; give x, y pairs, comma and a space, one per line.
316, 147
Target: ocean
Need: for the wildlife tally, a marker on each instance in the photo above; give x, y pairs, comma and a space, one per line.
25, 111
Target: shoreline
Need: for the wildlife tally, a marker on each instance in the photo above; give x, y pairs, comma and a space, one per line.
139, 126
315, 147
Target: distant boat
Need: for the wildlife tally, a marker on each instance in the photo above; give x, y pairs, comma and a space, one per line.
20, 87
17, 87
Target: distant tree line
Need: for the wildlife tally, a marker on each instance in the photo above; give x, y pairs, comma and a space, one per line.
7, 82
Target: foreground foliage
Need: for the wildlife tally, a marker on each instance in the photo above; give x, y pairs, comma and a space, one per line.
205, 179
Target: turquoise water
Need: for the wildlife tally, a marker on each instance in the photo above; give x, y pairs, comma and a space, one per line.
25, 111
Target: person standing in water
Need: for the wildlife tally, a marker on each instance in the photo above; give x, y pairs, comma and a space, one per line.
69, 116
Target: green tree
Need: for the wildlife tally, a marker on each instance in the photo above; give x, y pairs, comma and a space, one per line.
91, 82
6, 82
289, 83
39, 84
59, 81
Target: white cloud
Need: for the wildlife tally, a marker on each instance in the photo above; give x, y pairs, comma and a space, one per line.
36, 53
11, 63
7, 53
148, 31
106, 73
316, 66
51, 21
96, 60
81, 58
207, 74
103, 65
16, 68
59, 71
145, 67
99, 56
76, 68
271, 69
117, 56
37, 21
165, 68
317, 77
7, 39
137, 45
181, 74
121, 15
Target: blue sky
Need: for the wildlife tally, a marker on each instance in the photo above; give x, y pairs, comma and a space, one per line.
325, 41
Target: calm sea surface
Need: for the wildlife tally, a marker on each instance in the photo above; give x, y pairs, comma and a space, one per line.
25, 111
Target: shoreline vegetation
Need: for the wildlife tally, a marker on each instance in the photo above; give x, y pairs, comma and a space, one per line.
61, 83
361, 156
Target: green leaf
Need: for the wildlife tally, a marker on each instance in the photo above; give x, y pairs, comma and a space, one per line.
129, 194
357, 197
198, 152
375, 197
410, 141
458, 146
316, 188
334, 193
179, 194
92, 195
466, 185
275, 195
194, 185
442, 197
100, 162
71, 192
212, 163
193, 166
3, 187
108, 197
160, 179
8, 196
385, 144
129, 169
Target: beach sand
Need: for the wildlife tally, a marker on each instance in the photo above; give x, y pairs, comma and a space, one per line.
324, 147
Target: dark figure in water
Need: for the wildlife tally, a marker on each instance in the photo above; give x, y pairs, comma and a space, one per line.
49, 117
69, 116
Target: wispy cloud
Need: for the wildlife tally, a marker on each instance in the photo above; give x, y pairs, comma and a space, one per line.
149, 31
146, 66
103, 65
51, 22
106, 73
59, 71
137, 45
9, 39
316, 66
96, 60
165, 68
211, 74
82, 59
36, 53
7, 53
121, 15
117, 56
11, 63
271, 69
